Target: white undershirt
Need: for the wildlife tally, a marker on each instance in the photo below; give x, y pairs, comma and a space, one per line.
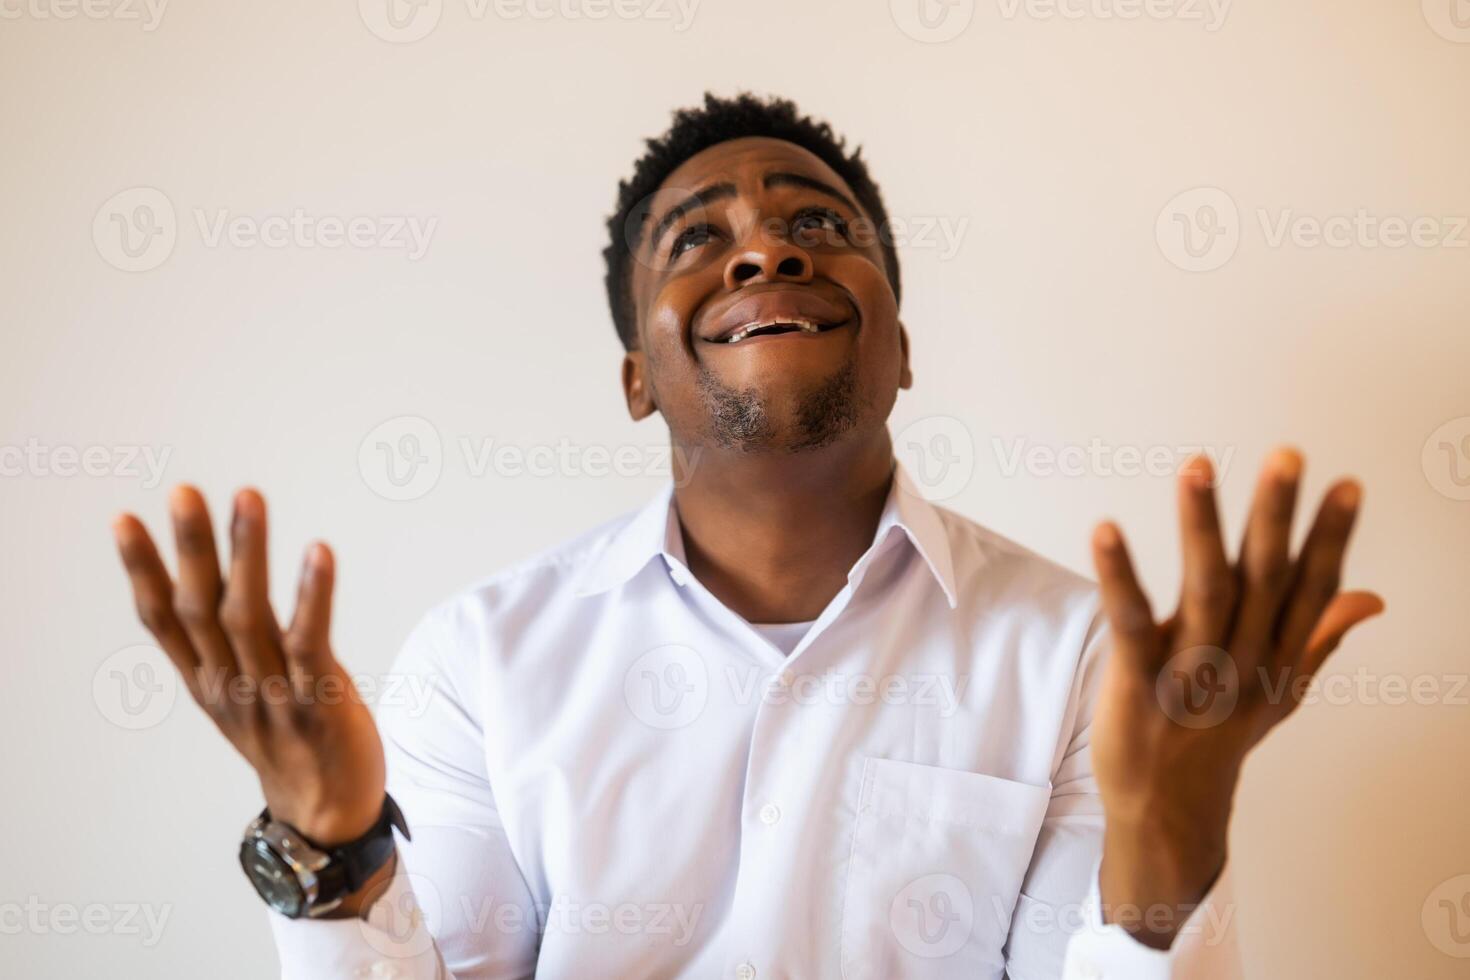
783, 636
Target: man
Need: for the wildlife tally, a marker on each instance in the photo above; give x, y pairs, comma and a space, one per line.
790, 720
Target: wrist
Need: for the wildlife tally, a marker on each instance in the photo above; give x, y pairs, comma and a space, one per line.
359, 903
1150, 884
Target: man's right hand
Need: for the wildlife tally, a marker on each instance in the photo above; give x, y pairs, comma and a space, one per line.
281, 698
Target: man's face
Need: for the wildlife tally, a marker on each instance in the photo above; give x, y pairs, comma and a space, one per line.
766, 321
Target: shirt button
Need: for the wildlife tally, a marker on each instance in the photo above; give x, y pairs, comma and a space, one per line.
745, 972
786, 678
770, 816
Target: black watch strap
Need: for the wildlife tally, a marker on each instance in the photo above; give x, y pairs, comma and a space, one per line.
354, 862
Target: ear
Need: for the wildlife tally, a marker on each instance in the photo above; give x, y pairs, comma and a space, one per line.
636, 390
905, 376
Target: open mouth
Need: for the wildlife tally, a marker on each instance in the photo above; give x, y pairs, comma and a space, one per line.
775, 327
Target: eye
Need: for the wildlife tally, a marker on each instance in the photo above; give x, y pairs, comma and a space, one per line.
814, 226
691, 237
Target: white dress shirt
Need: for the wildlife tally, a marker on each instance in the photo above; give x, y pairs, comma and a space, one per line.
618, 777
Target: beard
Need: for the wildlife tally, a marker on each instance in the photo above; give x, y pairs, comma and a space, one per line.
747, 420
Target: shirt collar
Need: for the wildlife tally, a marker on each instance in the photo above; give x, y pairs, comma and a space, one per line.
653, 531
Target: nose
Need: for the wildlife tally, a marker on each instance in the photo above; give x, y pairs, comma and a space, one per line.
767, 257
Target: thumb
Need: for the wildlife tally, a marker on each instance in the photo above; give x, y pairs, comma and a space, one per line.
1346, 610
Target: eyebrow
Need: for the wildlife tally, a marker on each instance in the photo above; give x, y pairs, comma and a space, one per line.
783, 179
707, 195
719, 192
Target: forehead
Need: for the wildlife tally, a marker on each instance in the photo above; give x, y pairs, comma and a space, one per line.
744, 161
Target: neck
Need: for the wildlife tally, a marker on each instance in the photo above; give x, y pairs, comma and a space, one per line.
773, 535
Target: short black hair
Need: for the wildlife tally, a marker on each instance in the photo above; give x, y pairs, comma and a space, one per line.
697, 129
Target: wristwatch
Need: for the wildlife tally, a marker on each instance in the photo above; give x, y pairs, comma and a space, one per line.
300, 878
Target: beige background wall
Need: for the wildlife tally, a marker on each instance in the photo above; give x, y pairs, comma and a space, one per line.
1062, 314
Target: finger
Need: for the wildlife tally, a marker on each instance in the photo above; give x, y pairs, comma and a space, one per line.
245, 612
1208, 590
153, 594
197, 597
307, 642
1265, 554
1318, 570
1346, 610
1135, 636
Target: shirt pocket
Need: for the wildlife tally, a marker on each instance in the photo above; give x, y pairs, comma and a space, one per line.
938, 857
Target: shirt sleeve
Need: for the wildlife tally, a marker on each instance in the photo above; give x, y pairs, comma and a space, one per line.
458, 907
1057, 928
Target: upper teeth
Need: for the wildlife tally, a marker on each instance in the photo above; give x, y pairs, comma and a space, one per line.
806, 326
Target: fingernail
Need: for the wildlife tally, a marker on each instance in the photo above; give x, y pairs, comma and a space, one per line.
1200, 472
1287, 464
1351, 495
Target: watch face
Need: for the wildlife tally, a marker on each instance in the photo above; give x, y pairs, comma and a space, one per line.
272, 878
